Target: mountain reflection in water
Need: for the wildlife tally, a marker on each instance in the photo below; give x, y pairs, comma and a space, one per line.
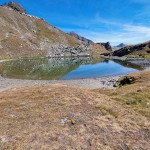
64, 68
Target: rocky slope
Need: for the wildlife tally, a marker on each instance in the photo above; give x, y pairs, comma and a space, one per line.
106, 45
23, 35
81, 38
97, 48
17, 7
139, 50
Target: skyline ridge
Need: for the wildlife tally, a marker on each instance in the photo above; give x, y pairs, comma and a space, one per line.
117, 22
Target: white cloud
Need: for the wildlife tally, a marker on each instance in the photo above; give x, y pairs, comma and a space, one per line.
138, 29
102, 30
129, 34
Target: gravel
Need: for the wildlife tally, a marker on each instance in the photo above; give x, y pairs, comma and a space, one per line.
104, 82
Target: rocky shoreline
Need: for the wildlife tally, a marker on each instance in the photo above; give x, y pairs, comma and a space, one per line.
104, 82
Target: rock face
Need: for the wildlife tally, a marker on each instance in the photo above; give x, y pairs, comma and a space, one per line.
82, 39
96, 48
17, 7
106, 45
66, 51
139, 50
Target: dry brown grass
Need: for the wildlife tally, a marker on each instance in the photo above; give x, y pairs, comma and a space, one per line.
141, 50
97, 49
21, 36
61, 117
136, 96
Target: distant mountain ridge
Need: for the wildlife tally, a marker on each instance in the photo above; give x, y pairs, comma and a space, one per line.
121, 45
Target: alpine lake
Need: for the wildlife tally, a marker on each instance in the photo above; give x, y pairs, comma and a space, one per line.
65, 68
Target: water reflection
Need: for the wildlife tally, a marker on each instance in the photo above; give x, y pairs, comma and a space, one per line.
64, 68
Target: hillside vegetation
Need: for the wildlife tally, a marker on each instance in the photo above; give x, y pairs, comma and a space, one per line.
139, 50
62, 117
23, 35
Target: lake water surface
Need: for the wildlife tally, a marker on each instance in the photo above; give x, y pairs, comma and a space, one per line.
64, 68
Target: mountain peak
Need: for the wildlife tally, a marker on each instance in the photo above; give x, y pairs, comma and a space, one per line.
83, 39
121, 45
106, 45
16, 6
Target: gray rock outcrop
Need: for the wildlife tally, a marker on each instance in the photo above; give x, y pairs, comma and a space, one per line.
66, 51
106, 45
17, 7
82, 39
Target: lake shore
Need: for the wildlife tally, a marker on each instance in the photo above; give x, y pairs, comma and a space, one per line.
143, 62
93, 83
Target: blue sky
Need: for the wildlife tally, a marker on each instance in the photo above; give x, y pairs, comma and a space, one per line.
116, 21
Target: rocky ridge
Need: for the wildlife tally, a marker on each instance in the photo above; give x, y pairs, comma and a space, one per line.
139, 50
106, 45
98, 48
17, 7
81, 38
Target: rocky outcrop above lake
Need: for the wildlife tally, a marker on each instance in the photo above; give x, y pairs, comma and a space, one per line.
66, 51
96, 48
82, 39
106, 45
139, 50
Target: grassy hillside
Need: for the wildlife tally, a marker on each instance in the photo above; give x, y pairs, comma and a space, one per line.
98, 49
25, 36
62, 117
136, 95
22, 35
139, 50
